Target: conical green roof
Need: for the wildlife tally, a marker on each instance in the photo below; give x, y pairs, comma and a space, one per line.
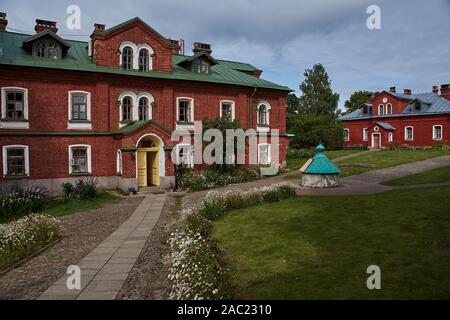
320, 164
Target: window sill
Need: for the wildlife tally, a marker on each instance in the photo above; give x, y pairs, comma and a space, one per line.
14, 120
183, 123
80, 121
18, 124
9, 177
79, 125
80, 174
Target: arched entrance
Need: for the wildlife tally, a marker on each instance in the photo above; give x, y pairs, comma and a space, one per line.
149, 161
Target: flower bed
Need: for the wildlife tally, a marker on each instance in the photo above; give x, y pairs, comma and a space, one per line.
22, 201
196, 267
23, 237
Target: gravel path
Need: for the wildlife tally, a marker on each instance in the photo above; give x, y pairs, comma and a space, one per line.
81, 232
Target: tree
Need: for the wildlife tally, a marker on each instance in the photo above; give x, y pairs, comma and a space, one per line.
317, 96
357, 99
312, 130
292, 103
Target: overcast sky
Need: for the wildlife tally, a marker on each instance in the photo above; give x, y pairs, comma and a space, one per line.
284, 37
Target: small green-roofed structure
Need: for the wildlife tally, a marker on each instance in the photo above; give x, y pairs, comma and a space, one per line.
320, 172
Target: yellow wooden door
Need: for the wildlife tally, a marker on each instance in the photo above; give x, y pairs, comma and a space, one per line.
142, 168
155, 168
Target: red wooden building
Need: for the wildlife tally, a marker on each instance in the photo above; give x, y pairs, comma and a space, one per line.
108, 107
392, 118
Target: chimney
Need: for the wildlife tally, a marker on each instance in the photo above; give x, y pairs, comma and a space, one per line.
392, 89
99, 27
176, 47
435, 89
407, 92
42, 25
3, 21
201, 47
445, 91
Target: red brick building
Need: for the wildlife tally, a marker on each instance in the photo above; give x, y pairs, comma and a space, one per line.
392, 118
108, 107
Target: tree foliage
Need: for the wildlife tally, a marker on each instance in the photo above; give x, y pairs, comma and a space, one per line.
357, 99
292, 104
311, 130
317, 96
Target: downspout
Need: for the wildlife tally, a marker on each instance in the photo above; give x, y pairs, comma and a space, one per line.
250, 103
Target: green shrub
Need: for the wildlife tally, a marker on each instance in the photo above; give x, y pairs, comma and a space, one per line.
85, 188
23, 237
23, 201
294, 153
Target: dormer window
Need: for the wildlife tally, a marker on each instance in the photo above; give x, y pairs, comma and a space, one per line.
417, 106
143, 60
40, 49
127, 58
200, 66
52, 50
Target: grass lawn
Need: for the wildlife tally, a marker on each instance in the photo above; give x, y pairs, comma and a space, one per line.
431, 176
296, 163
59, 208
379, 160
320, 247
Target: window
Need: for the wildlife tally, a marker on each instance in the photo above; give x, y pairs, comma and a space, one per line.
417, 106
143, 60
79, 107
143, 109
381, 109
14, 105
119, 162
40, 49
200, 66
80, 159
127, 107
15, 161
264, 154
14, 108
262, 115
346, 135
437, 132
184, 111
409, 135
227, 110
365, 134
184, 155
52, 50
127, 58
390, 137
389, 108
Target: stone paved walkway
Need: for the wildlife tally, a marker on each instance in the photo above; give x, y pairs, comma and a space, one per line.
105, 269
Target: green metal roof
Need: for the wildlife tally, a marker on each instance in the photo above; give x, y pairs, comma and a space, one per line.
137, 125
77, 59
321, 164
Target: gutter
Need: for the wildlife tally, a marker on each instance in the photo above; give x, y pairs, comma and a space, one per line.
250, 104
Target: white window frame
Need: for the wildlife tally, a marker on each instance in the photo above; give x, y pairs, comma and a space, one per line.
233, 114
190, 159
88, 153
381, 110
387, 108
269, 109
185, 126
119, 162
151, 53
348, 134
406, 133
84, 125
24, 124
434, 132
269, 153
26, 154
366, 134
151, 100
390, 137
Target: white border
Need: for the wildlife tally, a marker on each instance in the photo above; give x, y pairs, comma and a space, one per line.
365, 137
26, 155
233, 112
373, 140
348, 134
412, 133
184, 126
442, 132
387, 108
162, 155
391, 137
381, 107
119, 162
269, 108
149, 109
14, 124
136, 49
89, 156
269, 151
79, 126
190, 163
